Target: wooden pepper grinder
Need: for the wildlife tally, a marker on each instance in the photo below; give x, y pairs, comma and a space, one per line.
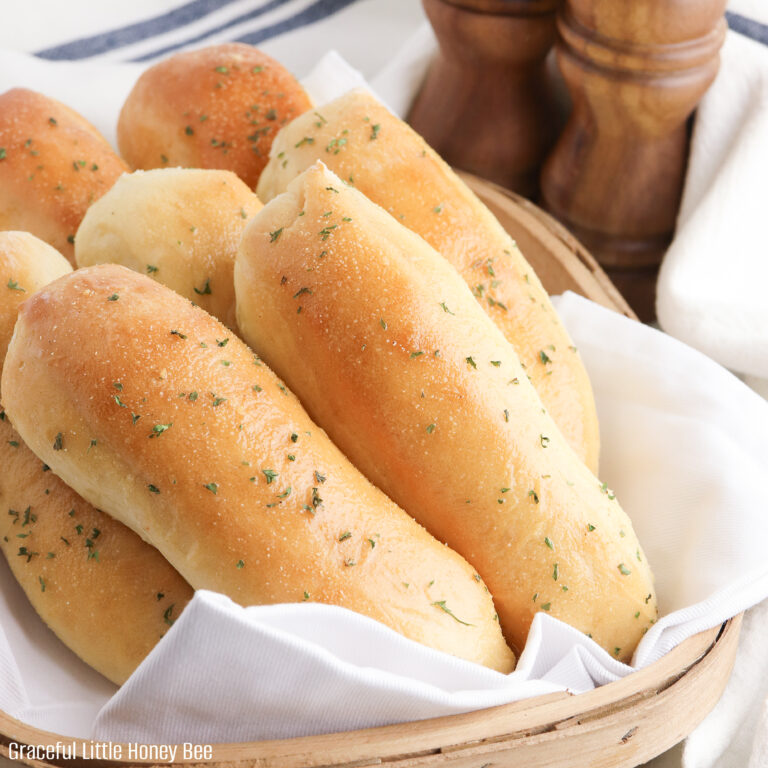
487, 104
636, 69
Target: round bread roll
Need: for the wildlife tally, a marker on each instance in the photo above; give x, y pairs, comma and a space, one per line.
389, 351
202, 450
361, 141
107, 595
53, 165
180, 226
216, 107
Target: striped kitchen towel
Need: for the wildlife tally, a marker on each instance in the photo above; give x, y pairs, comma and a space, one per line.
296, 32
147, 30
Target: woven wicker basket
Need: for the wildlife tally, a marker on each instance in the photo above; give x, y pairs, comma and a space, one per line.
619, 725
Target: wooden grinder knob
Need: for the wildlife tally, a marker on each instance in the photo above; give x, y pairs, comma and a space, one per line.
636, 69
487, 104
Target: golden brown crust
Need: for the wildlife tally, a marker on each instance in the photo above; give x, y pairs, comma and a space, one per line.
216, 107
180, 226
390, 353
107, 595
26, 264
203, 452
364, 144
53, 165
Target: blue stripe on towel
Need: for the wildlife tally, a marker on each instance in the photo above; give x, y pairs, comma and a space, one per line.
133, 33
313, 13
747, 27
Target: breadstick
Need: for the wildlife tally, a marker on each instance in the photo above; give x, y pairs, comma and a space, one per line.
53, 165
370, 148
203, 451
392, 356
106, 594
215, 107
26, 264
180, 226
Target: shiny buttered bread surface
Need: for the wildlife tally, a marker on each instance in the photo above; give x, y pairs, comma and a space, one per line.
390, 353
216, 107
53, 165
180, 226
108, 595
157, 414
370, 148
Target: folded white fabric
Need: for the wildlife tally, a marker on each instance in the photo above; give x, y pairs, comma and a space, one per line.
711, 289
685, 446
272, 672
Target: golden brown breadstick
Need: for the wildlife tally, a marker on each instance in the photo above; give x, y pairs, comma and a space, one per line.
180, 226
215, 107
53, 165
202, 450
106, 594
367, 146
390, 353
26, 264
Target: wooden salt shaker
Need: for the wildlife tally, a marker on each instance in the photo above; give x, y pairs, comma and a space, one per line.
636, 69
488, 105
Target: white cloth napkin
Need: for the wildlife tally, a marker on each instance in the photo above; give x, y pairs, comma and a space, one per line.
712, 285
685, 446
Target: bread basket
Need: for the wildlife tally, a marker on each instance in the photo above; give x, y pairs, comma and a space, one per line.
624, 723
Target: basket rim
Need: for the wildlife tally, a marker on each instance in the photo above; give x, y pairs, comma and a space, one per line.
583, 268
